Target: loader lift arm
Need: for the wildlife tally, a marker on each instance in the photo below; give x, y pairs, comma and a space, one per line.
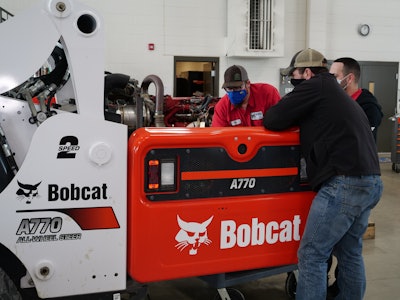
69, 193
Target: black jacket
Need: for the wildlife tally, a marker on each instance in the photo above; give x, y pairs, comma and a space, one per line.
372, 109
335, 134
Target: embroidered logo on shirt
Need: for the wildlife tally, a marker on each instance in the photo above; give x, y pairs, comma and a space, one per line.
257, 115
236, 122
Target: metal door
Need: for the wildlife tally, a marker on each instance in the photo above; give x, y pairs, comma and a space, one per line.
381, 79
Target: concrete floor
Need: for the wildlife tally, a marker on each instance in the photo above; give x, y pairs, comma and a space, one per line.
381, 254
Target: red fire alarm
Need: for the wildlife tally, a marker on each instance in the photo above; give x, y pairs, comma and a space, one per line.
151, 47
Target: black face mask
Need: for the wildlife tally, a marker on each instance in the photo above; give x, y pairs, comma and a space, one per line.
296, 82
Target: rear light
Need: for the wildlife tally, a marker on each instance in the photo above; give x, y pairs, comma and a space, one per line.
161, 175
167, 173
153, 174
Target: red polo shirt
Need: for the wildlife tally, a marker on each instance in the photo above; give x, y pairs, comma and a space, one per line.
262, 97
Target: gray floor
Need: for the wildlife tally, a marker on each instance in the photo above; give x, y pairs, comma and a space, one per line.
381, 254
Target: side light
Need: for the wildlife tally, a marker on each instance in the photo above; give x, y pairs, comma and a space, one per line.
153, 174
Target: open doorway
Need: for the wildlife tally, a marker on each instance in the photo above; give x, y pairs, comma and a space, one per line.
196, 76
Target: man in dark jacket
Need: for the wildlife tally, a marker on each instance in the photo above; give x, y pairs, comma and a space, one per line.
347, 72
342, 166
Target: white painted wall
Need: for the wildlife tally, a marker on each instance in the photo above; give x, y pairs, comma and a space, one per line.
199, 28
333, 30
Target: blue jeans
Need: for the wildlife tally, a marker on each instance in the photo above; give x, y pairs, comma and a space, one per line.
336, 223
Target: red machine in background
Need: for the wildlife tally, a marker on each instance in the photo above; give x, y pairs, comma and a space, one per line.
131, 104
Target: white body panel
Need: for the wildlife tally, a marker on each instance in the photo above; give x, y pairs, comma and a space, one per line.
64, 213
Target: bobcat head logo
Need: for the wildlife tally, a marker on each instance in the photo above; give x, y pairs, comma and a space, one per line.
27, 191
192, 234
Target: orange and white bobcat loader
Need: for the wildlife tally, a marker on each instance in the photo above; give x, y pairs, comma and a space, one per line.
85, 206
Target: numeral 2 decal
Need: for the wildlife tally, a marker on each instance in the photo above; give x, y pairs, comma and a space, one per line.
68, 147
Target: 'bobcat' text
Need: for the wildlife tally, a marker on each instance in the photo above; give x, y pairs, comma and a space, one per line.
258, 233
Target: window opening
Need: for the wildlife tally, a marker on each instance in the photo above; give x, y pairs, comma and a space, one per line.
260, 25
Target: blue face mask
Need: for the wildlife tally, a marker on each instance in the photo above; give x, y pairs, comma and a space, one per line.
237, 97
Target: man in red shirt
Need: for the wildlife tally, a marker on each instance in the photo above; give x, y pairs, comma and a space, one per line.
244, 103
347, 72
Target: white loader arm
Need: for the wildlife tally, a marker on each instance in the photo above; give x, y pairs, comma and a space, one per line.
63, 214
32, 35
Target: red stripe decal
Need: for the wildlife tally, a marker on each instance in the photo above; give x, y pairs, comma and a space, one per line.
90, 218
223, 174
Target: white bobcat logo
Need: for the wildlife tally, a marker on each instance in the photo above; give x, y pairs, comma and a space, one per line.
192, 233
